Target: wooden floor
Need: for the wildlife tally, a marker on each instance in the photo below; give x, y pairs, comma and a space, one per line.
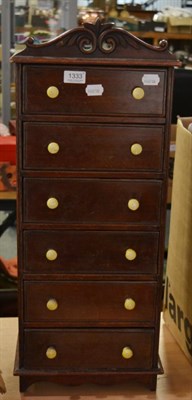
175, 384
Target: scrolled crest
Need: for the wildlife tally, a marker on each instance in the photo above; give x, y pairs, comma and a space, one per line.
104, 37
98, 40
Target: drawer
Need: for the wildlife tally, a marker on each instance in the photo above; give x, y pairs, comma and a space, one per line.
99, 147
91, 350
90, 303
90, 252
96, 201
106, 91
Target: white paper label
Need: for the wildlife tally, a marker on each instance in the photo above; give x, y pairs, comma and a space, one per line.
150, 79
172, 147
94, 90
74, 77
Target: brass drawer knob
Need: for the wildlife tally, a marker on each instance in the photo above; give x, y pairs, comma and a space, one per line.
52, 203
133, 204
129, 304
53, 148
130, 254
136, 149
52, 92
52, 305
51, 254
138, 93
127, 353
51, 353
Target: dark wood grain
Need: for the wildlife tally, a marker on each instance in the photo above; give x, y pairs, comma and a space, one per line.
82, 349
117, 98
93, 176
101, 148
90, 252
89, 201
90, 303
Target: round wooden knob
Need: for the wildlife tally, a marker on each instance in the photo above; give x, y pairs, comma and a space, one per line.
127, 353
53, 148
52, 203
130, 254
136, 149
133, 204
52, 92
51, 353
51, 254
138, 93
129, 304
52, 305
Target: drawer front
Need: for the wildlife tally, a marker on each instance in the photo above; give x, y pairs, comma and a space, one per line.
90, 252
79, 147
114, 92
86, 201
88, 350
90, 303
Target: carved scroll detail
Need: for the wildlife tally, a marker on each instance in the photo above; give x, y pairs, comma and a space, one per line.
103, 37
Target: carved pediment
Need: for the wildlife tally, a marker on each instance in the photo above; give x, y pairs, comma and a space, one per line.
98, 40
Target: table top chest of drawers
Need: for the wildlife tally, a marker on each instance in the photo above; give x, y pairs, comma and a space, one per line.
93, 110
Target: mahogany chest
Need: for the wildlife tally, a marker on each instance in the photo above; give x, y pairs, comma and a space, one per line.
93, 118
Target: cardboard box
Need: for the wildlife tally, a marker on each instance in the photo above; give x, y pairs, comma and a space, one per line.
178, 286
179, 25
